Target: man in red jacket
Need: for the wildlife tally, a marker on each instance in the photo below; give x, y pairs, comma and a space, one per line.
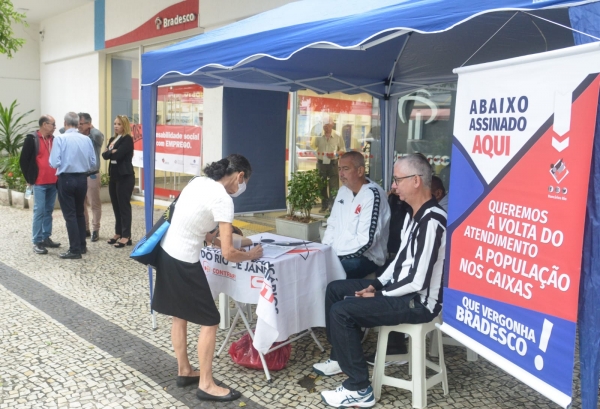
35, 165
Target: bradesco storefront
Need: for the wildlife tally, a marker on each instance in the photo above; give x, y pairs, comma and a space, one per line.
190, 125
122, 36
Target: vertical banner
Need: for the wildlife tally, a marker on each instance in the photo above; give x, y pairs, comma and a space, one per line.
523, 138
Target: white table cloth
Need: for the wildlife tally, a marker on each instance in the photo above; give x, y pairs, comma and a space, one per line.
289, 291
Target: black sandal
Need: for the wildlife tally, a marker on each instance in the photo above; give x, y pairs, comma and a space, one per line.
113, 240
120, 244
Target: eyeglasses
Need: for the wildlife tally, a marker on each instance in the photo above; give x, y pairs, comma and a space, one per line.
51, 123
397, 180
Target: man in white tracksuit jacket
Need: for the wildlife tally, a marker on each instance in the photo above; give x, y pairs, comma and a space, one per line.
358, 227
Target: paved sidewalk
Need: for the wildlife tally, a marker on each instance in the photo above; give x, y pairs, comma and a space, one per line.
77, 334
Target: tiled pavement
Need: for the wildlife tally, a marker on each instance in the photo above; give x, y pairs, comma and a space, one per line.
77, 334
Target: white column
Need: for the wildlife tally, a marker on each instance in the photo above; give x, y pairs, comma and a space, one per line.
212, 132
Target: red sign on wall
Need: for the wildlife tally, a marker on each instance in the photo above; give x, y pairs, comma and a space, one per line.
178, 17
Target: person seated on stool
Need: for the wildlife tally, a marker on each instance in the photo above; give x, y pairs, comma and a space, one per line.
439, 192
408, 292
359, 223
399, 209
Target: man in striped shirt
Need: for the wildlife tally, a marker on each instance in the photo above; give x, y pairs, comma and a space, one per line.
409, 291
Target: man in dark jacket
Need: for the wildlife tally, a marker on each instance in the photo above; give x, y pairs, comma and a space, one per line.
35, 166
93, 182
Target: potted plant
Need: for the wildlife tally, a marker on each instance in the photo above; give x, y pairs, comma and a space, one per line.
4, 194
13, 128
16, 182
303, 193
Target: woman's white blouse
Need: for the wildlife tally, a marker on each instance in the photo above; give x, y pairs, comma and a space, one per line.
202, 205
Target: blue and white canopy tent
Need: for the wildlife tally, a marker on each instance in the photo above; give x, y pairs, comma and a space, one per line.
385, 48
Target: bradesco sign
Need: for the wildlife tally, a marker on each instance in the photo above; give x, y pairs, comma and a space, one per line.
165, 22
518, 188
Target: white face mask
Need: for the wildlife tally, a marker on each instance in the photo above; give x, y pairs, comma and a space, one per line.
241, 189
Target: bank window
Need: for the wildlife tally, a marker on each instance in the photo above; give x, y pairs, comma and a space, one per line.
179, 120
425, 124
179, 123
353, 117
123, 94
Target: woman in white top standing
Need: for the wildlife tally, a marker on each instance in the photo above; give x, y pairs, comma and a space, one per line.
182, 290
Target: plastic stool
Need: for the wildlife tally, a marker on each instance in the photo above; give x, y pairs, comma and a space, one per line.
419, 384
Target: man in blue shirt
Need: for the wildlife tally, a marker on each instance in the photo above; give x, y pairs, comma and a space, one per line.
73, 157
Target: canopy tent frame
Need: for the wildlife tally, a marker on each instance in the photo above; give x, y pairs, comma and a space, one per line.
223, 72
215, 58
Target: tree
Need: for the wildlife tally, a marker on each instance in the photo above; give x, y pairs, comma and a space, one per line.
8, 16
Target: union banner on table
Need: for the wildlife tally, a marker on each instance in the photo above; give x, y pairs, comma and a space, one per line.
523, 136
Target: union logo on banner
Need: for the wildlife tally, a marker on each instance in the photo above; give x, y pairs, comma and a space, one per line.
267, 293
256, 281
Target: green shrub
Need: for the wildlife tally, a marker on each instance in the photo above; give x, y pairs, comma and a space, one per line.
104, 179
304, 190
13, 176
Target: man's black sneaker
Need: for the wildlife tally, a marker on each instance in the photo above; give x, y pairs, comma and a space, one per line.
38, 248
88, 233
95, 236
51, 244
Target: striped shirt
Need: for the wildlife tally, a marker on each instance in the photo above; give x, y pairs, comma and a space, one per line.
419, 264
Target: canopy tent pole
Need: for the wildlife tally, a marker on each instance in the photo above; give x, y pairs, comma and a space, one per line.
149, 96
568, 28
386, 143
386, 118
489, 39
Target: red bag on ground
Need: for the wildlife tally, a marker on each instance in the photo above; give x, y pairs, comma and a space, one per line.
243, 353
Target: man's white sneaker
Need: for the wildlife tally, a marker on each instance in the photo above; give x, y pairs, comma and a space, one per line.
327, 368
343, 398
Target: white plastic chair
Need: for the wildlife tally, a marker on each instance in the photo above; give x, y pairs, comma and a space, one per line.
419, 384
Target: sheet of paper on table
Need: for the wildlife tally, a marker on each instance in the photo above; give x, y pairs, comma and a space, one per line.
273, 251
